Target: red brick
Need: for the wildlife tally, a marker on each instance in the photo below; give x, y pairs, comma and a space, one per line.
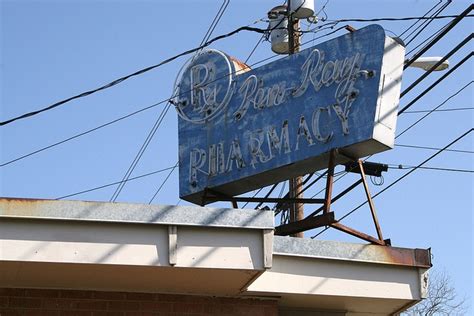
123, 306
187, 308
25, 302
41, 293
55, 303
109, 295
170, 297
161, 307
9, 312
4, 301
75, 294
141, 296
34, 312
270, 310
12, 292
93, 305
108, 314
75, 313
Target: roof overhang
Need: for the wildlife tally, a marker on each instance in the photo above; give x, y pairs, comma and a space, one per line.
199, 250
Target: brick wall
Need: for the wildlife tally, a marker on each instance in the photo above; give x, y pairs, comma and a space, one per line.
94, 303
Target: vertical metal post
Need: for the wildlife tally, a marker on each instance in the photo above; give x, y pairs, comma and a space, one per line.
295, 184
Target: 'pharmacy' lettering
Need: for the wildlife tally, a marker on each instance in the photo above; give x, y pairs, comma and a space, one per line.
264, 144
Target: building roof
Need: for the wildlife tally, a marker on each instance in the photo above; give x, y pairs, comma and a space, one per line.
198, 250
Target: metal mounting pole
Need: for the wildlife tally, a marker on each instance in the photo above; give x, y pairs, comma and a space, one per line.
295, 184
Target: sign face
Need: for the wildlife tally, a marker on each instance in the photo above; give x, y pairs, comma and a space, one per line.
242, 130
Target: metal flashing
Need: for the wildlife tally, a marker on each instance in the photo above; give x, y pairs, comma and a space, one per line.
135, 213
366, 253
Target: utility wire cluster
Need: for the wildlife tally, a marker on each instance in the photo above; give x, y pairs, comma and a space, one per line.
416, 30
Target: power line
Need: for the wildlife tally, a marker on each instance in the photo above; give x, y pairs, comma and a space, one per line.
208, 34
140, 152
388, 19
255, 194
139, 72
426, 23
114, 121
418, 20
425, 91
216, 20
443, 110
255, 48
405, 167
435, 148
401, 178
114, 183
435, 108
451, 25
240, 29
134, 113
80, 134
441, 61
163, 183
429, 38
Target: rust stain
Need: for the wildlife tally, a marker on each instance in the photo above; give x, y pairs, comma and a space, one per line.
415, 257
240, 67
22, 206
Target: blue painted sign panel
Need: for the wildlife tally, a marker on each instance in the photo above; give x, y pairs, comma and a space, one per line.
242, 129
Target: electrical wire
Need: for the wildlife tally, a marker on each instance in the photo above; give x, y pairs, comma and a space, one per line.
429, 38
113, 183
441, 34
114, 121
140, 152
89, 130
425, 91
405, 167
255, 48
139, 72
388, 19
206, 37
214, 22
267, 195
255, 194
323, 11
443, 110
163, 183
434, 148
425, 24
190, 51
80, 134
435, 108
466, 40
401, 178
418, 20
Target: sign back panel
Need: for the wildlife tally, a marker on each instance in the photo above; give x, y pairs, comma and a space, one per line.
241, 130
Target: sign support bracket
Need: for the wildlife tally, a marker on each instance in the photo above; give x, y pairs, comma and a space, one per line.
327, 218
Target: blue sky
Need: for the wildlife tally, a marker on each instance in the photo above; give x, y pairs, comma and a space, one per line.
51, 50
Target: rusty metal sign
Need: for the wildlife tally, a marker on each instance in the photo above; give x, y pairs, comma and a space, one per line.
242, 129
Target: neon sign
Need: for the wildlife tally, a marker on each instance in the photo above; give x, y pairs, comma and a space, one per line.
241, 130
